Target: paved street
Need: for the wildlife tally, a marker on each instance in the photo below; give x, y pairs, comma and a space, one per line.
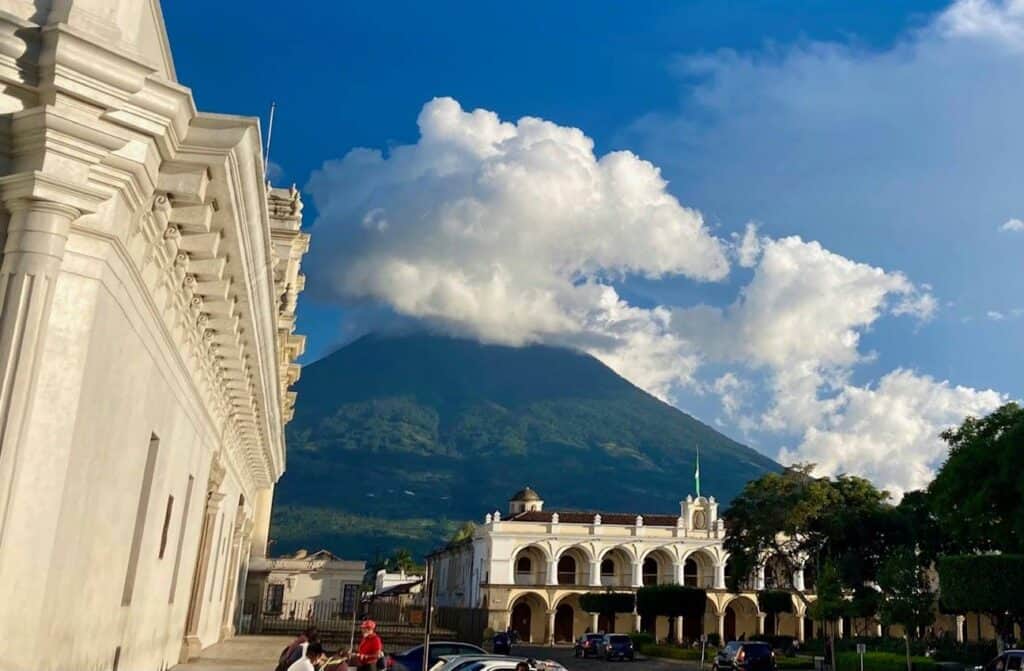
565, 657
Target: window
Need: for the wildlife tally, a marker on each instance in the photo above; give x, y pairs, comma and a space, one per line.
567, 571
608, 567
348, 599
275, 598
524, 565
650, 571
181, 538
167, 524
690, 573
140, 520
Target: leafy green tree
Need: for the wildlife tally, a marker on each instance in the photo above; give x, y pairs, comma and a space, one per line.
989, 584
774, 601
978, 494
608, 603
864, 604
671, 601
907, 598
830, 605
465, 531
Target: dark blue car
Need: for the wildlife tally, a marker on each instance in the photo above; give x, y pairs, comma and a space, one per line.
618, 646
412, 659
502, 644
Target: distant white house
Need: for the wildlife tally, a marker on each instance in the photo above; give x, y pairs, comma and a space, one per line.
386, 582
294, 586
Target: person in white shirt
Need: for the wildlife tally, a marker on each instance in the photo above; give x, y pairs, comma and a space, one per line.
311, 660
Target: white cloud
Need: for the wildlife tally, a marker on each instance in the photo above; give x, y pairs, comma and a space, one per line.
801, 317
1012, 225
512, 233
890, 433
995, 315
748, 246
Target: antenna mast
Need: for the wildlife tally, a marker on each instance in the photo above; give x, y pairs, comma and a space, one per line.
270, 132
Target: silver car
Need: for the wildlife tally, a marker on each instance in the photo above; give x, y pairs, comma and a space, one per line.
460, 662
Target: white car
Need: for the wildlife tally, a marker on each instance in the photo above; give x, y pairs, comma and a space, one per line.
459, 662
509, 664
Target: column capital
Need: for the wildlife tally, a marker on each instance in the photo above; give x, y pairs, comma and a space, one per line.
32, 190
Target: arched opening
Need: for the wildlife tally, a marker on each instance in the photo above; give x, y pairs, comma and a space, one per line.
699, 570
742, 611
808, 627
522, 616
564, 616
567, 570
527, 618
771, 624
616, 569
529, 566
777, 574
650, 571
606, 623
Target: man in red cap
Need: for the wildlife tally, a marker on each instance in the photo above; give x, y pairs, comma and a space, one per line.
370, 648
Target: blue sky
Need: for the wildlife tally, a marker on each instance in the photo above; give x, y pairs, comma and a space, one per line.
885, 137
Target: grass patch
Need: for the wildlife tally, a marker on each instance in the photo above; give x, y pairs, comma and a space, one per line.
882, 661
675, 652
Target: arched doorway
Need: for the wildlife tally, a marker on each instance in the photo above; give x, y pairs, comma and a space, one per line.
567, 570
730, 624
563, 623
522, 620
606, 623
808, 627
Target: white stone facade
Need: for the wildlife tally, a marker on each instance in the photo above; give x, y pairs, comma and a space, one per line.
529, 567
149, 280
294, 586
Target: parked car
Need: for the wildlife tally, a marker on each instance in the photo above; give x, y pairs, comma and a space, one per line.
745, 656
509, 664
460, 662
412, 659
502, 643
617, 646
1009, 660
589, 645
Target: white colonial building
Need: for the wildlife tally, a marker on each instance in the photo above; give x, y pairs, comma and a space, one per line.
149, 279
529, 567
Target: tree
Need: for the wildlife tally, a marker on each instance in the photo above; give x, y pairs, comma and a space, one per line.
907, 598
830, 604
978, 495
465, 531
864, 604
774, 601
607, 603
989, 584
671, 601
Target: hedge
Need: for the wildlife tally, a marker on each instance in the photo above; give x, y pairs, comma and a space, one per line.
882, 661
671, 601
775, 601
607, 602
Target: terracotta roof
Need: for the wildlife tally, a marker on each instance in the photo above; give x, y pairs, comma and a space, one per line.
576, 517
525, 494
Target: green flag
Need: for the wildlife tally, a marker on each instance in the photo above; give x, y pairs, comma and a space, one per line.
696, 472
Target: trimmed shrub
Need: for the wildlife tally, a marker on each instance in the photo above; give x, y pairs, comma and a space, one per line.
607, 602
882, 661
671, 601
775, 601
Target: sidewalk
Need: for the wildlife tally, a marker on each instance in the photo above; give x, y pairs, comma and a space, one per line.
241, 653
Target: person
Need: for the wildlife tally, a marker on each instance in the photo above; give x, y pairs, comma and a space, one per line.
296, 650
522, 666
371, 648
311, 660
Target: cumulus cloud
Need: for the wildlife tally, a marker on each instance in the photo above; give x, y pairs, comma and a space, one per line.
890, 433
512, 233
1012, 226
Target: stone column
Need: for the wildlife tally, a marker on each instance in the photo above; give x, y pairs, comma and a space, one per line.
37, 232
759, 577
798, 579
636, 622
839, 628
261, 522
800, 628
595, 574
679, 629
960, 619
679, 569
721, 628
760, 623
552, 572
595, 622
638, 575
719, 576
551, 627
191, 645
